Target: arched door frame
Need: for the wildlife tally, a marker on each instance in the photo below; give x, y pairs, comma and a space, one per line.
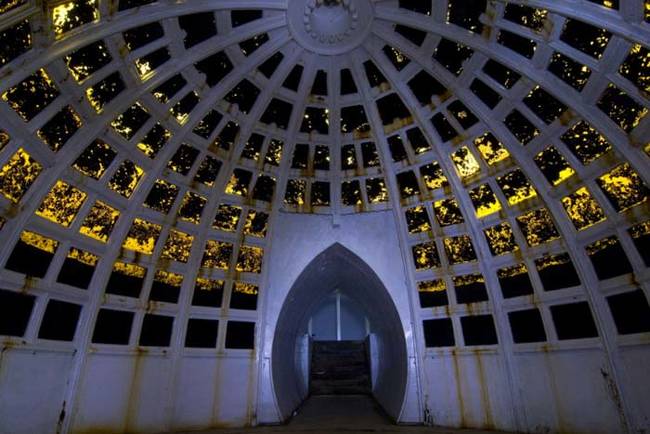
338, 267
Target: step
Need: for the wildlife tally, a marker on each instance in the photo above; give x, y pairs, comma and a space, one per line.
339, 374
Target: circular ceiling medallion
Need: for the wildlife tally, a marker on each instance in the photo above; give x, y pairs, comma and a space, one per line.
329, 26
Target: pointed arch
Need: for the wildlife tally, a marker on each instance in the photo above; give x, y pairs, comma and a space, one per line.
339, 268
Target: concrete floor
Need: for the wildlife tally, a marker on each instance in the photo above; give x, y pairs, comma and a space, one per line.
349, 414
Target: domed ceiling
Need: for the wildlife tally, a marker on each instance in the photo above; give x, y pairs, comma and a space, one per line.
147, 147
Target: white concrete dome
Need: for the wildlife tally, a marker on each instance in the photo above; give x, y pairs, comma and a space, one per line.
182, 181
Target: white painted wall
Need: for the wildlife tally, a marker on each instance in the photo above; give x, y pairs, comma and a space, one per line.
32, 389
297, 240
547, 389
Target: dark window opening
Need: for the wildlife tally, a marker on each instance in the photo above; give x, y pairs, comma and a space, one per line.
574, 321
415, 36
463, 115
608, 258
113, 327
432, 293
292, 82
215, 68
374, 75
15, 311
240, 335
76, 272
241, 17
641, 237
208, 293
197, 27
424, 87
445, 130
527, 326
348, 85
60, 321
631, 312
164, 290
485, 93
320, 194
519, 44
479, 330
264, 189
208, 124
470, 289
452, 55
156, 331
278, 112
227, 137
140, 36
391, 108
29, 259
315, 120
320, 84
506, 77
300, 156
438, 333
271, 64
244, 95
396, 147
125, 282
514, 282
201, 333
557, 272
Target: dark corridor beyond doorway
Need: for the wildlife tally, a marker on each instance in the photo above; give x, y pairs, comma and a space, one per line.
339, 368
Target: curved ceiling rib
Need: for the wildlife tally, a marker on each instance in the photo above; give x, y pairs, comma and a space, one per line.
160, 142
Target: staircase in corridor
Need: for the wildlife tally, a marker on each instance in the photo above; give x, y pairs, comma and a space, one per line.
339, 368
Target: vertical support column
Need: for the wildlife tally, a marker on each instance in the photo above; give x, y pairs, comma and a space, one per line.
338, 315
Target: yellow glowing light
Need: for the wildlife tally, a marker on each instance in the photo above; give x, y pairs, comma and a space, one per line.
433, 176
234, 186
425, 255
538, 227
583, 210
18, 174
484, 200
144, 68
69, 15
209, 285
624, 187
516, 187
468, 279
178, 246
129, 270
459, 249
39, 241
245, 288
512, 271
126, 178
465, 162
432, 286
83, 257
564, 174
501, 239
99, 221
417, 219
250, 259
217, 255
491, 149
167, 278
142, 237
227, 218
61, 204
7, 5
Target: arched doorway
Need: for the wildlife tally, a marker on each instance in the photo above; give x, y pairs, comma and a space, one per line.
339, 268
